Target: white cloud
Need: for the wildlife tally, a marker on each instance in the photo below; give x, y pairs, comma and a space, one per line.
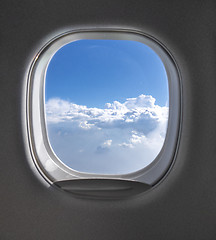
133, 112
122, 136
107, 143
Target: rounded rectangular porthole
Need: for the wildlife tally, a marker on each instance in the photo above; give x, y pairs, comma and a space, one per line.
103, 104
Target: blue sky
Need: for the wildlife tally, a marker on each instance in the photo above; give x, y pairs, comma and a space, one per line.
106, 105
95, 72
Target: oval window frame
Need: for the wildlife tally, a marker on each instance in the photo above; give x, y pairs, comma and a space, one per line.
48, 164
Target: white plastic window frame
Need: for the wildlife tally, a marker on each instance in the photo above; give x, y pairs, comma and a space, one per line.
45, 160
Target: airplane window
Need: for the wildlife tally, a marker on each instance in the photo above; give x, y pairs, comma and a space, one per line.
103, 104
107, 105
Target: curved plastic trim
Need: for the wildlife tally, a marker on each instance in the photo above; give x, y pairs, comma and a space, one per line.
52, 168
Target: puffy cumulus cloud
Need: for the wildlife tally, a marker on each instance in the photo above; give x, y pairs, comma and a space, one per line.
104, 147
108, 142
139, 113
120, 138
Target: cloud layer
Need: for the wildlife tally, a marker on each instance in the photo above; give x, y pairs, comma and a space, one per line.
120, 138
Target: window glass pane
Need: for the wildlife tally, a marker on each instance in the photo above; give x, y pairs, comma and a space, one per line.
106, 105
